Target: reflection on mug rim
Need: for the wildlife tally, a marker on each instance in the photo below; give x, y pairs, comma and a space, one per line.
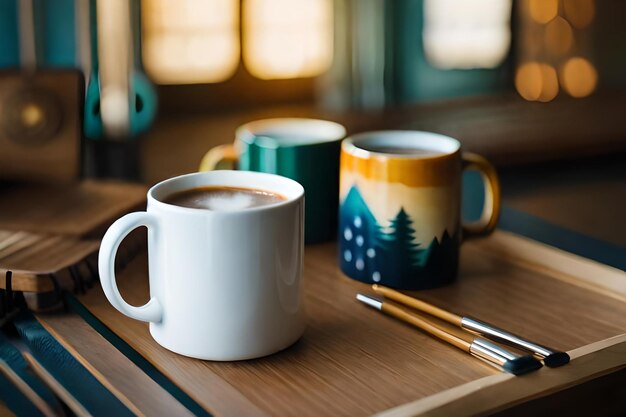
445, 145
259, 131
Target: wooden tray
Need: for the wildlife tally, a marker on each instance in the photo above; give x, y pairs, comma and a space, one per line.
84, 208
354, 361
38, 263
49, 235
45, 229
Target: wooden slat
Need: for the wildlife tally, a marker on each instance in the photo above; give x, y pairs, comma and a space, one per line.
26, 390
33, 257
59, 390
354, 361
68, 253
114, 370
27, 282
17, 241
29, 256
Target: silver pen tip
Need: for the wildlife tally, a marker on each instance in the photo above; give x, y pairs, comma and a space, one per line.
373, 302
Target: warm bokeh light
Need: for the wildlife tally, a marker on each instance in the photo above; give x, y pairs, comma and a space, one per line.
543, 11
466, 33
549, 83
32, 115
558, 36
190, 41
536, 82
287, 38
579, 77
528, 81
579, 13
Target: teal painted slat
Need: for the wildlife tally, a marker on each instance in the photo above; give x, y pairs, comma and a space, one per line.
9, 394
59, 30
135, 357
98, 400
15, 401
9, 38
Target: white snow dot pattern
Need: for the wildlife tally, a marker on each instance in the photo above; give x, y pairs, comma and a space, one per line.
376, 276
359, 240
360, 264
347, 255
357, 221
347, 234
371, 253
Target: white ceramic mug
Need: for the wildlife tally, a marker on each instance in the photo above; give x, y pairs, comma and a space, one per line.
224, 285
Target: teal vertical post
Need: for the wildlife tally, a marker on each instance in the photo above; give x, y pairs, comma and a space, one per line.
59, 32
9, 34
412, 78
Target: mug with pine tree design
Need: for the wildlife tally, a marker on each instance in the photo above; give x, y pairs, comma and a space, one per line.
400, 203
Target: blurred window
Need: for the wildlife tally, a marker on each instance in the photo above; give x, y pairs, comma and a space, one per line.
190, 41
287, 38
197, 41
466, 34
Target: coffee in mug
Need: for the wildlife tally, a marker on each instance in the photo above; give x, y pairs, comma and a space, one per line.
223, 198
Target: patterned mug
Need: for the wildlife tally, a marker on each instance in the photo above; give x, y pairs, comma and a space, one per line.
400, 203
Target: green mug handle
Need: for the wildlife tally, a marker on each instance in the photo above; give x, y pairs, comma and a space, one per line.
220, 157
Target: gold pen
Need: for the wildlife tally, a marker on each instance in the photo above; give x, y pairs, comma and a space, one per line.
483, 349
551, 358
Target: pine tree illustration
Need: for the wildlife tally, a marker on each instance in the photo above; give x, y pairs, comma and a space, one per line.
443, 256
403, 254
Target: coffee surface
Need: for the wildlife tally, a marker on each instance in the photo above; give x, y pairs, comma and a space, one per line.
223, 198
397, 150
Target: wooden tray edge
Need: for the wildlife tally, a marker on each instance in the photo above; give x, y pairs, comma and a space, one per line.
505, 390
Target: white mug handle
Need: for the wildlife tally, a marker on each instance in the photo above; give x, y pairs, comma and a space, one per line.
151, 311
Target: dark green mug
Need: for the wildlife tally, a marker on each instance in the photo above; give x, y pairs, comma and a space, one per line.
305, 150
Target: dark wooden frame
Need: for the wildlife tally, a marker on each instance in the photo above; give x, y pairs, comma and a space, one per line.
240, 91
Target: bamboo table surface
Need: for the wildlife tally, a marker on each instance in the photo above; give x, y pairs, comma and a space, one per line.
354, 361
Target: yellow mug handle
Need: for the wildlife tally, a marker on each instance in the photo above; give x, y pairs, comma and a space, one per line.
491, 209
220, 157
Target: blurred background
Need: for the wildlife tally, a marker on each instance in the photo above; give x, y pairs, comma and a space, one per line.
154, 84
